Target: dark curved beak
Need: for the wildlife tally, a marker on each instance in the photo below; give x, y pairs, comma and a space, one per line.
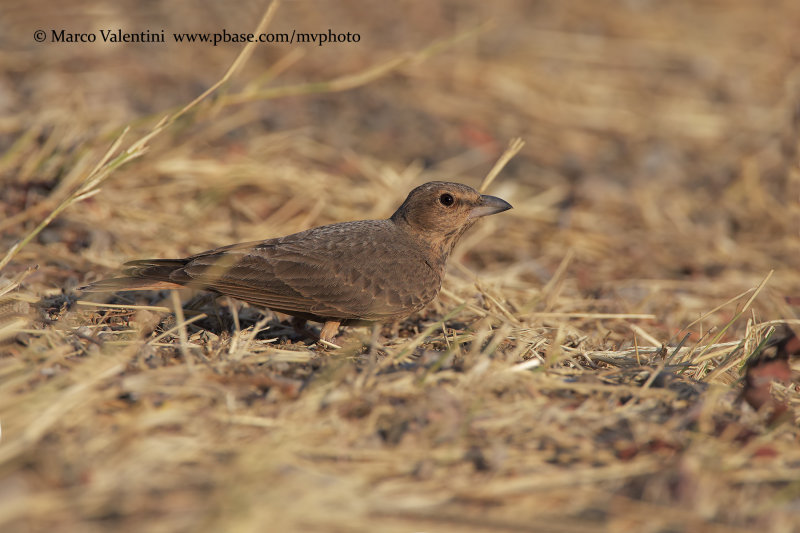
489, 205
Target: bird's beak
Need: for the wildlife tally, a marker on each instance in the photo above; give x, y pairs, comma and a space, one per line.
489, 205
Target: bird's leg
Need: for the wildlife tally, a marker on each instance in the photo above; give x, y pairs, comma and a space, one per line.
299, 325
329, 330
300, 328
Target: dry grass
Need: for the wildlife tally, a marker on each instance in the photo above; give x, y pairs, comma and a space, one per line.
581, 369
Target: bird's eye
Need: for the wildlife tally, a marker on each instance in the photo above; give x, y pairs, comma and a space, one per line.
447, 199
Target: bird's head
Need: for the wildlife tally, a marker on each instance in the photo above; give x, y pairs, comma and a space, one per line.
441, 211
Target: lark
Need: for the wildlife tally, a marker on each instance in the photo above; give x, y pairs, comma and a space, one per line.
339, 274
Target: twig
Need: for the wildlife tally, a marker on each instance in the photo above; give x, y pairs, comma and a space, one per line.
514, 146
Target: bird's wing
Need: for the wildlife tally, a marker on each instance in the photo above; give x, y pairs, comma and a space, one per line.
343, 271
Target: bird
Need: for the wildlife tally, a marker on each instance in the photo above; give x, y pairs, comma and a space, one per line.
347, 273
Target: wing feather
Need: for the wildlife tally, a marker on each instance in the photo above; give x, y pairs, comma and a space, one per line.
354, 270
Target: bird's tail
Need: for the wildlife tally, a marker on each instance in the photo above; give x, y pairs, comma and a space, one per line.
141, 275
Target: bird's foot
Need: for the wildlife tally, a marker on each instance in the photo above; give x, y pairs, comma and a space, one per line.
326, 334
329, 331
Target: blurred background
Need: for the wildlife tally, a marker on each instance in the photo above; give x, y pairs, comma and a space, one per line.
659, 176
660, 137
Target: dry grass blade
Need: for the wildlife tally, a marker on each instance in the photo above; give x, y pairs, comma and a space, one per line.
100, 172
711, 375
240, 60
64, 402
513, 148
123, 306
181, 326
720, 306
107, 165
183, 337
13, 284
596, 316
537, 390
10, 329
408, 348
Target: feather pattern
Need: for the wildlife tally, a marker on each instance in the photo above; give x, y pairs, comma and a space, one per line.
367, 270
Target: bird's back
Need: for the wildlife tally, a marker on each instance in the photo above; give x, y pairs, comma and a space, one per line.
362, 270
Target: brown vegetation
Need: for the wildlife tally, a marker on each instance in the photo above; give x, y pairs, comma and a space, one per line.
583, 367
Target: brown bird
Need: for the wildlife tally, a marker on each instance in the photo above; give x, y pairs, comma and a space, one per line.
345, 273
